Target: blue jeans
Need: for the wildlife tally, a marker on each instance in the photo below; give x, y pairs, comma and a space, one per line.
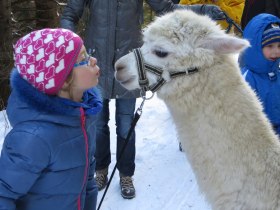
124, 116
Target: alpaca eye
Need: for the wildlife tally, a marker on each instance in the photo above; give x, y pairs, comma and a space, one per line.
161, 53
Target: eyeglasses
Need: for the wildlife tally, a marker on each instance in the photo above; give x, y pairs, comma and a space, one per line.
86, 61
83, 62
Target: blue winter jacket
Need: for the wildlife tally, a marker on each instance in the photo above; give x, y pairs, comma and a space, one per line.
263, 75
47, 160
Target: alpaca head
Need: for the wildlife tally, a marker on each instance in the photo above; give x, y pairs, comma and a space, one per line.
176, 42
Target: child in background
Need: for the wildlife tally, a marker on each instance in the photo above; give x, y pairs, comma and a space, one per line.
47, 160
261, 63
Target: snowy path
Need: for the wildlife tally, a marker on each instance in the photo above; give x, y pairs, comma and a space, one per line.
163, 178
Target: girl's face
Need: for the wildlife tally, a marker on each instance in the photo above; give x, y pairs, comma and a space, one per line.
84, 76
85, 72
272, 51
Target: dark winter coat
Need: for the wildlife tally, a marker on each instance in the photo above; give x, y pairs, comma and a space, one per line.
112, 30
255, 7
273, 7
47, 160
262, 75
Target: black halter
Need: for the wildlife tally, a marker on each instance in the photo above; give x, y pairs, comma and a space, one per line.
143, 81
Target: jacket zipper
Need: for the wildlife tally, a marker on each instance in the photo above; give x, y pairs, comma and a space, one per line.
87, 161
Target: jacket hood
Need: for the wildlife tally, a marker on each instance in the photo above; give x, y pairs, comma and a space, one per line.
253, 56
27, 103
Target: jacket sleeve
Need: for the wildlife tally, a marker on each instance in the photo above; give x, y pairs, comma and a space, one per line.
233, 8
72, 13
163, 6
23, 157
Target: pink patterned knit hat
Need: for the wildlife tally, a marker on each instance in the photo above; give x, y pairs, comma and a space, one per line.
45, 57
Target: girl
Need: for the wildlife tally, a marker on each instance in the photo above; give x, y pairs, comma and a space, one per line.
47, 160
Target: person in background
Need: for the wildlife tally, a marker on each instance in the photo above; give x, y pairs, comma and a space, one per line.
112, 30
47, 160
233, 8
273, 7
261, 63
255, 7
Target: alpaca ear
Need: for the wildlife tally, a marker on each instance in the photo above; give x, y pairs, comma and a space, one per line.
225, 44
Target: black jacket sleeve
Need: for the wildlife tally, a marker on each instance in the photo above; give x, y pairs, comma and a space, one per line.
273, 7
72, 13
163, 6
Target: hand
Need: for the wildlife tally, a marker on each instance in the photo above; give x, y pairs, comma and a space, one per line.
213, 12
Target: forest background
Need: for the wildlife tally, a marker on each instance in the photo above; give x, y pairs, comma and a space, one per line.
19, 17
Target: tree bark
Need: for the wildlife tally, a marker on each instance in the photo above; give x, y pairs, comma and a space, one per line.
46, 14
6, 61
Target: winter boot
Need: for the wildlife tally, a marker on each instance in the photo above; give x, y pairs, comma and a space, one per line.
127, 188
101, 178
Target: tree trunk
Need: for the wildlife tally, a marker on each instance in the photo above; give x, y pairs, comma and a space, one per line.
6, 61
46, 14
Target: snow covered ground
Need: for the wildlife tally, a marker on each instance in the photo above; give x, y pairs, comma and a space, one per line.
163, 178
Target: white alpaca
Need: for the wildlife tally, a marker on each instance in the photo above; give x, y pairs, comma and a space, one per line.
229, 142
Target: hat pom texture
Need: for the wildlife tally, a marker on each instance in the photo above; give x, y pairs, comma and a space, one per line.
45, 58
271, 34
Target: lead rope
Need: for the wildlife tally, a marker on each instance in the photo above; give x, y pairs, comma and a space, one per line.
137, 116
